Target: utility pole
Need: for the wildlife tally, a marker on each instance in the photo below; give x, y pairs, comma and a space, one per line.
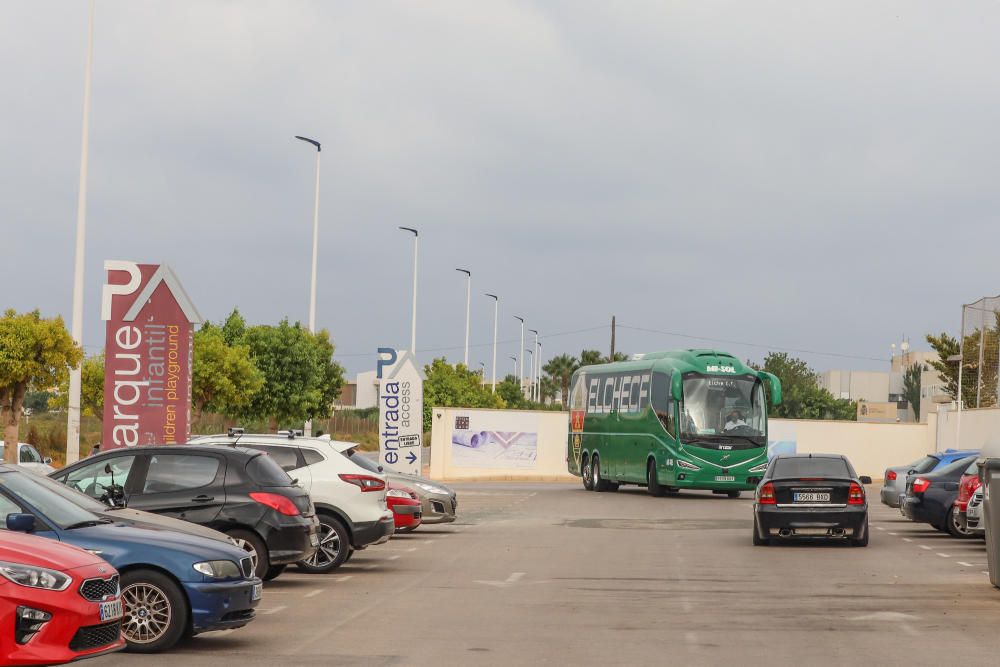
612, 357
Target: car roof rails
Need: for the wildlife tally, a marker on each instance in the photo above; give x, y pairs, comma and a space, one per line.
291, 434
235, 431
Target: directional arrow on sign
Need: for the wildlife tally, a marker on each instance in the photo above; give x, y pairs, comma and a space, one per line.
411, 457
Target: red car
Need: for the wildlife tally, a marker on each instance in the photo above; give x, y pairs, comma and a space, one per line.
57, 603
967, 485
405, 508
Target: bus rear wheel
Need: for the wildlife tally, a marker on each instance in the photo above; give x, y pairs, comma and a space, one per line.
653, 487
733, 494
598, 482
587, 474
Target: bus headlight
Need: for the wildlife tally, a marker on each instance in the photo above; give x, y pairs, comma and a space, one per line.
686, 465
761, 468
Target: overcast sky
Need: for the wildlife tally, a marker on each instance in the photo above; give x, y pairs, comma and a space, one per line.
803, 176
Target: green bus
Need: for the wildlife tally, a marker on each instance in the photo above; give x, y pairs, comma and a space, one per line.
688, 419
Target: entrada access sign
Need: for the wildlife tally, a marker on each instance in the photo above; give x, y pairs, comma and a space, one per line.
400, 411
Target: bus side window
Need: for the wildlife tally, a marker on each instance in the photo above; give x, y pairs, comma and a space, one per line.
662, 402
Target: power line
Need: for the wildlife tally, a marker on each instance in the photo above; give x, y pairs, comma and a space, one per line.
776, 348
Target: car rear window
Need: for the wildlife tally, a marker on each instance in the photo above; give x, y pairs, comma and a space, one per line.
364, 462
973, 469
810, 467
956, 465
264, 471
925, 464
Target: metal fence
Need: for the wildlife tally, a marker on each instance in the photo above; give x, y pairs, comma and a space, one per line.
980, 353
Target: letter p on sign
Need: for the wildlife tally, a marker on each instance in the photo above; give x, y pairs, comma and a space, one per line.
134, 278
384, 362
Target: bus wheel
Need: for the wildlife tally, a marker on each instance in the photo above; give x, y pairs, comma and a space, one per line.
653, 487
587, 473
733, 494
597, 481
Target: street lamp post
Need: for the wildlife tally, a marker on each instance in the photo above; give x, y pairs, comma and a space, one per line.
534, 366
520, 372
413, 322
482, 372
513, 370
75, 374
530, 389
315, 254
538, 364
468, 305
496, 312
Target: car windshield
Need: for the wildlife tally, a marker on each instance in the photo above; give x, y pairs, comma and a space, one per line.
55, 508
805, 466
718, 410
72, 495
363, 461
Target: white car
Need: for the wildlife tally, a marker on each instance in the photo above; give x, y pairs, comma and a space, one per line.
350, 501
30, 459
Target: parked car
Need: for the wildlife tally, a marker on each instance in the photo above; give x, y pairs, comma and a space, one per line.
233, 490
58, 603
405, 508
894, 487
974, 514
967, 485
350, 501
439, 503
810, 496
930, 497
30, 458
171, 583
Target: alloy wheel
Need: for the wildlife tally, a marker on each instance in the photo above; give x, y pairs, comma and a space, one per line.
147, 613
329, 547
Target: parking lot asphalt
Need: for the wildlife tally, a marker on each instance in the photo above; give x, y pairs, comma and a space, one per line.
549, 574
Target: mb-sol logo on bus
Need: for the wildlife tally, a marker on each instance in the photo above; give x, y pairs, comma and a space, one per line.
147, 362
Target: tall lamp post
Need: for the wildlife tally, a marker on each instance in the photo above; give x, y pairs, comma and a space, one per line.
538, 363
534, 366
482, 372
75, 374
496, 311
513, 369
468, 305
520, 372
529, 390
315, 253
413, 322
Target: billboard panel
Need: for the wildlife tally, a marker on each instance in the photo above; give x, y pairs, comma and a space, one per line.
495, 439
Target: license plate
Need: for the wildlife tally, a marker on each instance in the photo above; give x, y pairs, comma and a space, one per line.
811, 497
725, 478
257, 590
314, 539
111, 611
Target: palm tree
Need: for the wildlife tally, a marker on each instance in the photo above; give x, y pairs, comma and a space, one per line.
561, 369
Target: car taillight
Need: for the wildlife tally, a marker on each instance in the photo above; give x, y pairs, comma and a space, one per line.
276, 502
856, 496
364, 482
920, 485
766, 495
890, 476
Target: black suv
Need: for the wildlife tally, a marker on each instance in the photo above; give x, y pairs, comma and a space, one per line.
240, 492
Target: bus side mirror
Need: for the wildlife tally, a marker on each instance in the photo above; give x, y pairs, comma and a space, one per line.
677, 387
774, 384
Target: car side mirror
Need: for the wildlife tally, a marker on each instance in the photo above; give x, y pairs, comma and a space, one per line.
21, 523
381, 469
865, 479
107, 468
47, 460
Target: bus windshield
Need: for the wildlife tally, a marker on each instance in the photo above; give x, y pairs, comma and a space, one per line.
723, 412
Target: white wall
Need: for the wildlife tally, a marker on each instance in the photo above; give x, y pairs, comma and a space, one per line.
979, 428
450, 461
367, 395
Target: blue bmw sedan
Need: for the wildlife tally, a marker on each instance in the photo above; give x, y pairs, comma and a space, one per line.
172, 583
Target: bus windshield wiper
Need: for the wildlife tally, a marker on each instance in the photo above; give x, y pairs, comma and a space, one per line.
87, 524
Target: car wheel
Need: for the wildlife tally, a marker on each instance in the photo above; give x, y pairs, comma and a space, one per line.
156, 613
350, 553
956, 526
273, 572
612, 486
600, 484
255, 548
758, 541
653, 487
334, 547
587, 474
733, 494
863, 540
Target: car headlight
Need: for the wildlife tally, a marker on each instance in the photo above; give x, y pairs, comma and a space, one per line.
430, 488
398, 493
686, 465
761, 468
35, 577
219, 569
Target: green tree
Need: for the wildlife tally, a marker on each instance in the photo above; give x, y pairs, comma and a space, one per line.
224, 377
447, 386
561, 370
37, 401
301, 380
510, 391
802, 397
973, 386
35, 353
91, 388
911, 387
591, 358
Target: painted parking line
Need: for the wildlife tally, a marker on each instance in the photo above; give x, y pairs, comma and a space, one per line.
411, 550
964, 564
393, 558
272, 610
312, 594
343, 578
924, 546
943, 555
906, 539
879, 528
893, 533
